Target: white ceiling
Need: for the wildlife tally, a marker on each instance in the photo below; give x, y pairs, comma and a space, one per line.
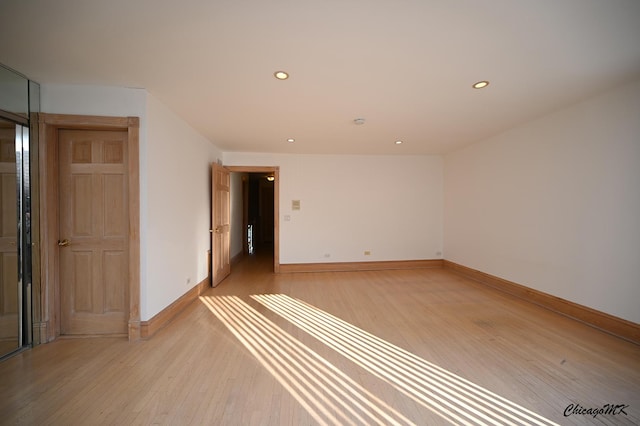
406, 66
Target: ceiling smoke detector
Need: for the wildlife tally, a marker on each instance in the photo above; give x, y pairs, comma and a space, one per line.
359, 121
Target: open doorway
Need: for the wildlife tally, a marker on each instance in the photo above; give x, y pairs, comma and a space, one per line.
258, 213
254, 214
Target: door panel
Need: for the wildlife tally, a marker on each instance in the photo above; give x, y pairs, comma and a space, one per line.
9, 295
94, 232
221, 239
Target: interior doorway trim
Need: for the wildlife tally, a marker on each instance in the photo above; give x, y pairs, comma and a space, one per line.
276, 204
49, 125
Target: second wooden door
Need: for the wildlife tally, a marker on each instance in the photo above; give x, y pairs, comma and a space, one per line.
221, 220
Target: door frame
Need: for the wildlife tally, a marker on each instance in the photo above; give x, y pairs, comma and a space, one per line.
276, 204
49, 124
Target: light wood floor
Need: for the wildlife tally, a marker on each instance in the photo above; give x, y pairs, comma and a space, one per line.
197, 370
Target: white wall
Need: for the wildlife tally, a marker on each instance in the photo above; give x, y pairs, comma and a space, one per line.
178, 218
390, 205
555, 204
93, 100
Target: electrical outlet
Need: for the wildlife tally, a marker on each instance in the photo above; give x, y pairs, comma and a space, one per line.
367, 252
327, 255
188, 280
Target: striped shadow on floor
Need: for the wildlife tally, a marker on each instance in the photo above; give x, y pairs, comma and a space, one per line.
330, 396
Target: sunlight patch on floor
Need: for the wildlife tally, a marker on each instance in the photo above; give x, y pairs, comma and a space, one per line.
329, 395
450, 396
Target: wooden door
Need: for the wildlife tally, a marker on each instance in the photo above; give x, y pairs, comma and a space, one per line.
9, 300
94, 232
221, 241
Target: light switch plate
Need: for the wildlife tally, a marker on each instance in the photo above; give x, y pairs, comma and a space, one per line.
295, 204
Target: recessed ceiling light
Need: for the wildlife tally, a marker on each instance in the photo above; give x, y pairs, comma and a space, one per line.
398, 142
481, 84
281, 75
291, 140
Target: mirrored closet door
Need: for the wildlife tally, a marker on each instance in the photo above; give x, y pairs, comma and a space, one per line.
10, 285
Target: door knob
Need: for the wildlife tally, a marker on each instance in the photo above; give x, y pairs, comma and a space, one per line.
64, 243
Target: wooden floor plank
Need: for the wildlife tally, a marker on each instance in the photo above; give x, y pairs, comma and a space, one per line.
195, 371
